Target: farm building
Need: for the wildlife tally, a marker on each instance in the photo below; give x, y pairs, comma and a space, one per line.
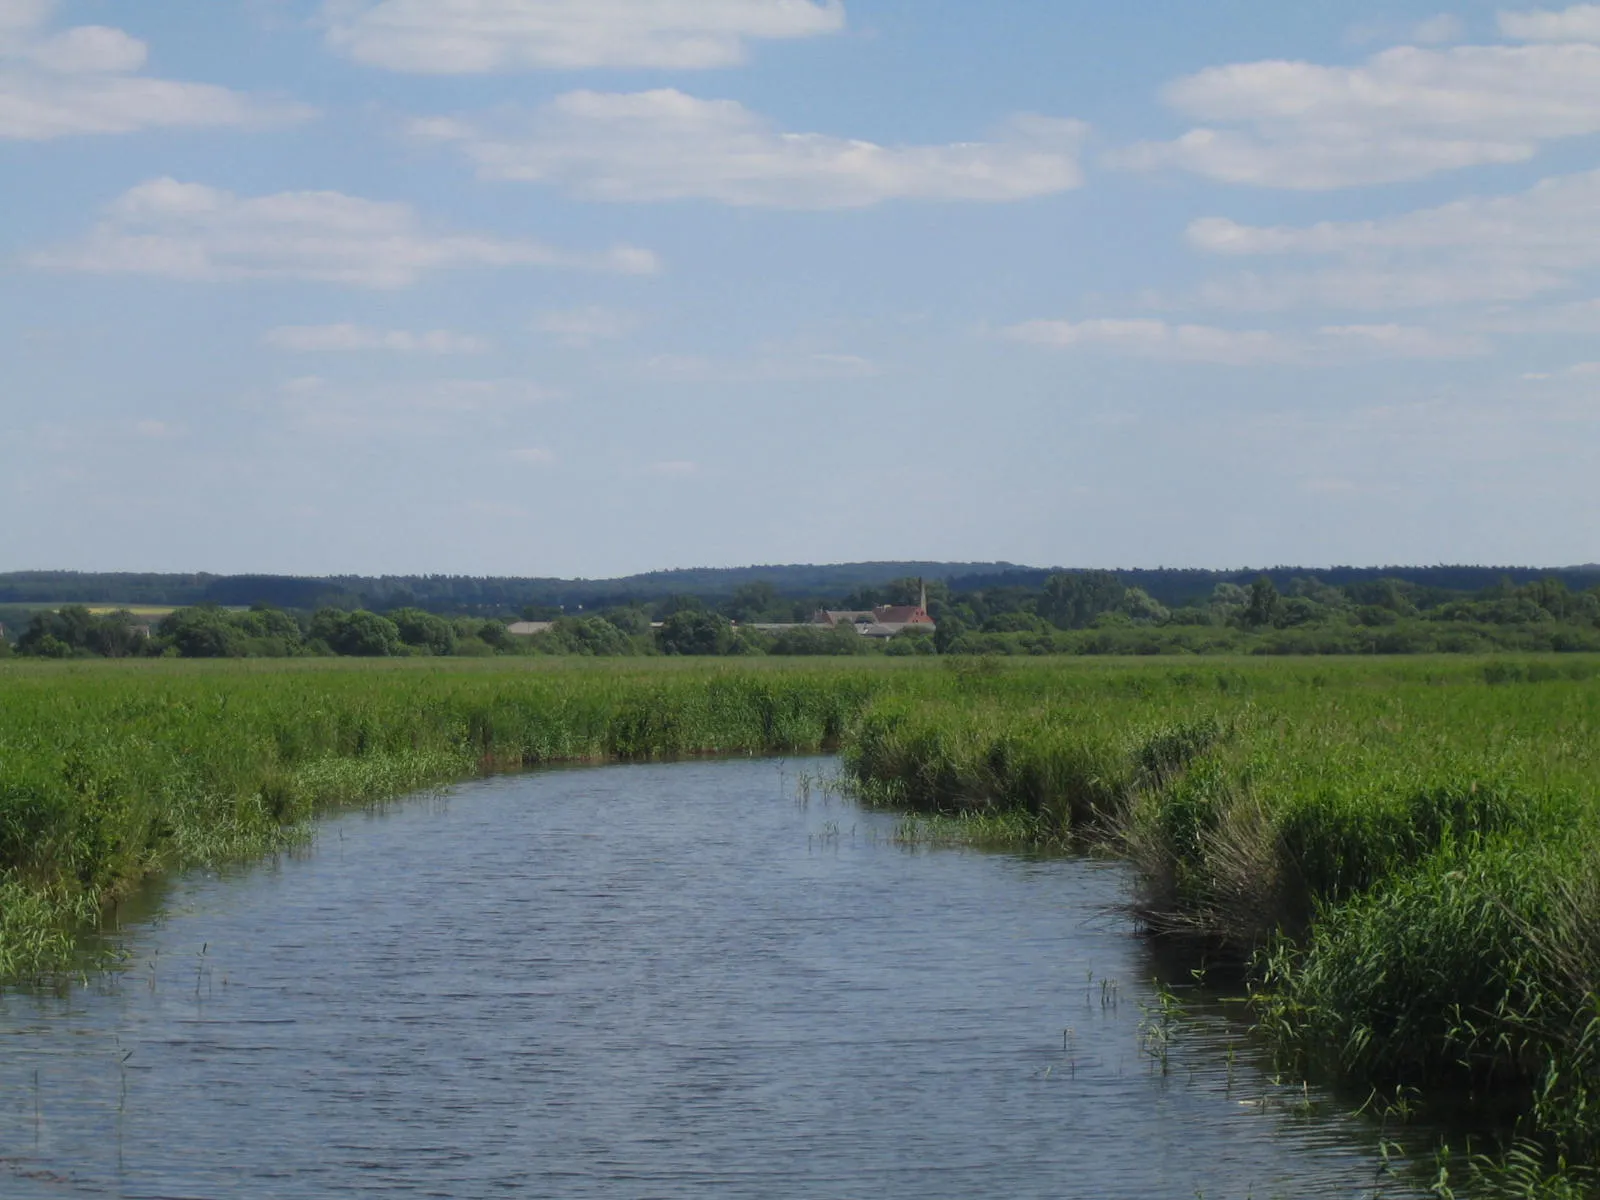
883, 622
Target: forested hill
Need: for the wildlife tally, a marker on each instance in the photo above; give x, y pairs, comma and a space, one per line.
462, 593
1175, 587
492, 595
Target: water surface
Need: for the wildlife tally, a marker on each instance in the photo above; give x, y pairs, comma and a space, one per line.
662, 981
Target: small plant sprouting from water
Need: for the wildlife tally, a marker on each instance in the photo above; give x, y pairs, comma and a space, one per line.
1159, 1026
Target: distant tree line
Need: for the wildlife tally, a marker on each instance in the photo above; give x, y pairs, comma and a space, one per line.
798, 586
1066, 612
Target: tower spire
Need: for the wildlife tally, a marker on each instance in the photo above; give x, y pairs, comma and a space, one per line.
923, 601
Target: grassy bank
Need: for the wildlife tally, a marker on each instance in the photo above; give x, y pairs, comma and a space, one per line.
1402, 856
1400, 853
110, 772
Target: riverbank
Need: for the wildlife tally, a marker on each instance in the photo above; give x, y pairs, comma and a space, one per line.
1400, 858
1396, 851
111, 772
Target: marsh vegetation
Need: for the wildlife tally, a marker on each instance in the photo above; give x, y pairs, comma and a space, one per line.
1396, 855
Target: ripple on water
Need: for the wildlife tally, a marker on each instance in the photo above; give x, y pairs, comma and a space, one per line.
664, 982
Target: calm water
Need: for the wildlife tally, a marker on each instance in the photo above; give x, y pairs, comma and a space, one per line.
645, 982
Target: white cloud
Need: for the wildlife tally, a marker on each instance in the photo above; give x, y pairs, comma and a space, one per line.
84, 80
1146, 338
1580, 23
1481, 249
1160, 341
665, 145
417, 408
190, 231
533, 456
1580, 317
1343, 342
1439, 30
1405, 114
772, 367
1583, 370
305, 339
584, 326
458, 37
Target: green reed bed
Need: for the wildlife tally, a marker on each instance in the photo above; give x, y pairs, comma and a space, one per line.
1405, 856
111, 772
1401, 853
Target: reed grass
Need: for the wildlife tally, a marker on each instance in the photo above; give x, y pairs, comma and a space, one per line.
1400, 852
1402, 856
110, 772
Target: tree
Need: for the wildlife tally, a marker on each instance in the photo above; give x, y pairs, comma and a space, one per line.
911, 641
1073, 600
1228, 598
1015, 622
203, 631
1551, 595
49, 646
1262, 609
1142, 608
113, 636
424, 630
1313, 589
951, 627
631, 621
1392, 594
68, 626
697, 633
677, 604
265, 621
359, 634
842, 640
752, 601
588, 636
494, 633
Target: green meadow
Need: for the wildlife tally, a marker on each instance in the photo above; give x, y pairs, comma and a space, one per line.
1398, 854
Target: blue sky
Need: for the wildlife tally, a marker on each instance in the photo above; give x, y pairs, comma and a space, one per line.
587, 287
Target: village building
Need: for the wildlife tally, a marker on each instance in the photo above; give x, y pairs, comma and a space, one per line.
834, 618
886, 621
529, 628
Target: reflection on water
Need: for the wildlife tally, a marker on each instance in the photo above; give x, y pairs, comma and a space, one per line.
647, 982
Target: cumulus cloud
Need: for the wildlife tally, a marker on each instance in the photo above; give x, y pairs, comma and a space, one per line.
584, 326
1148, 338
1580, 23
1405, 114
423, 407
1439, 30
1160, 341
307, 339
771, 367
1481, 249
86, 80
459, 37
1581, 317
665, 145
1583, 370
190, 231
